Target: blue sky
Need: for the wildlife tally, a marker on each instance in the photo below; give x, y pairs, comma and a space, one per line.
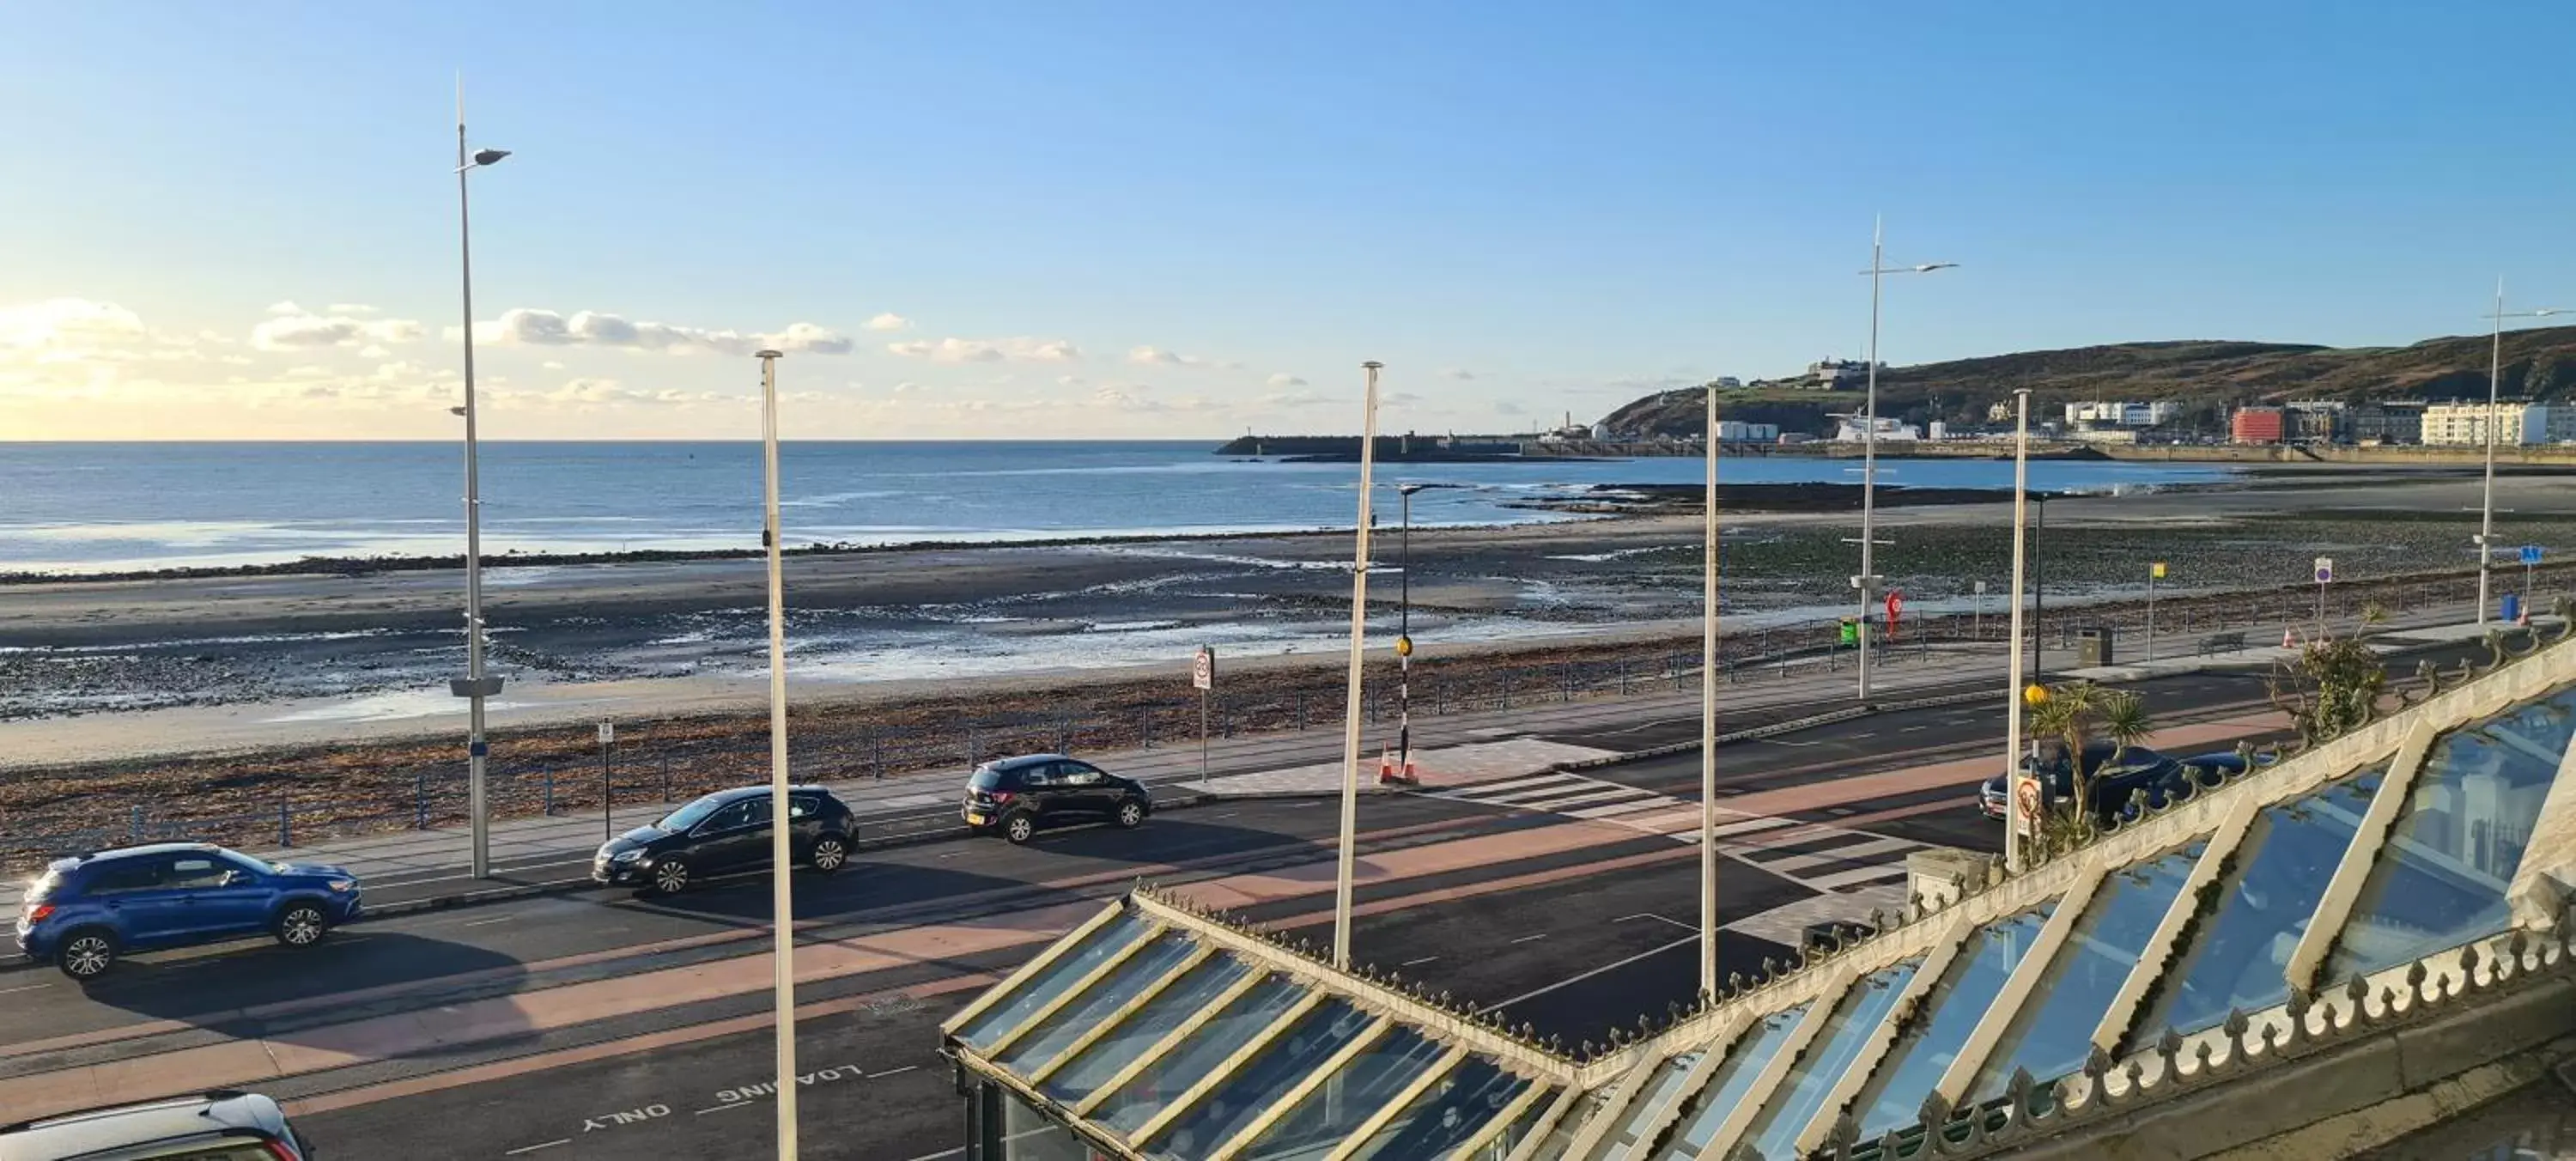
1522, 209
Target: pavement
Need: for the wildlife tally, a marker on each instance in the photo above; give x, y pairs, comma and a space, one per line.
592, 1023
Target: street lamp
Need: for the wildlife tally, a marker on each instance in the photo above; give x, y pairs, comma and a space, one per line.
782, 906
2495, 381
475, 685
2012, 651
1351, 704
1867, 581
1404, 637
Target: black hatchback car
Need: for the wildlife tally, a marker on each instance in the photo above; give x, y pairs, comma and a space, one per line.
2116, 784
722, 833
1016, 796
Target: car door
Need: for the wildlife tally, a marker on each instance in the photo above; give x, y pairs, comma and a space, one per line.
217, 896
1090, 785
129, 890
1043, 791
720, 843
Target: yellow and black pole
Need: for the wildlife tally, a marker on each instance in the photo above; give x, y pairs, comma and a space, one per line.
1404, 639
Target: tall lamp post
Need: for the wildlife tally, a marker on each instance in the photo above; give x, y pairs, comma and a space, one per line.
1404, 637
2495, 382
2012, 652
781, 900
1708, 726
1867, 581
475, 685
1351, 706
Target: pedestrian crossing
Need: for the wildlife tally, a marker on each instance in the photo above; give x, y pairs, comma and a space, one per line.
1819, 856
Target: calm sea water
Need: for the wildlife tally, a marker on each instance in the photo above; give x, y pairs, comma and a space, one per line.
101, 507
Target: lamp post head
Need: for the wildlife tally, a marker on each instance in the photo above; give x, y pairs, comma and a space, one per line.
489, 156
1928, 267
1372, 365
767, 355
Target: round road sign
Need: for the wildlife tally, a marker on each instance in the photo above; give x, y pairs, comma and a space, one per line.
2026, 798
1404, 646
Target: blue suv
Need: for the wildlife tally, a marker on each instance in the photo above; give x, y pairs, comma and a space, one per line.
86, 912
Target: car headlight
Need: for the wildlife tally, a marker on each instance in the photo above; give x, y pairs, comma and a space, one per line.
344, 886
625, 856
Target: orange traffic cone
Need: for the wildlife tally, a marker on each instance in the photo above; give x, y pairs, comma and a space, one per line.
1389, 775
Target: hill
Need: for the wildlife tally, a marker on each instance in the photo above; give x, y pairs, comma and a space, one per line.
2207, 376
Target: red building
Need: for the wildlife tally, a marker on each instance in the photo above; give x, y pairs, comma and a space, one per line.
2256, 425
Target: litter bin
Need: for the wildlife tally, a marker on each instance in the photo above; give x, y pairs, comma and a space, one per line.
2512, 608
2093, 646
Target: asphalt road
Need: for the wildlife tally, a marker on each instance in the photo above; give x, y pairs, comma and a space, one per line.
595, 1023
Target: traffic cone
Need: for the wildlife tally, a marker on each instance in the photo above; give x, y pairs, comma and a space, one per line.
1389, 775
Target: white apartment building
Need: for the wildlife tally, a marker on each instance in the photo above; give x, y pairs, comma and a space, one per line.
2465, 424
1738, 431
2113, 413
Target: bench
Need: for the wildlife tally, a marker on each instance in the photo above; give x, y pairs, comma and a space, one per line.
2222, 642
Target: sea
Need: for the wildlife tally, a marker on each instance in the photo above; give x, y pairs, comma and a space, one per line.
72, 508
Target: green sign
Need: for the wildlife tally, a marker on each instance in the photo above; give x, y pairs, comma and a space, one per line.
1851, 631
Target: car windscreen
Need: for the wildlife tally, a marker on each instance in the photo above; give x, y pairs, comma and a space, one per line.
691, 815
985, 778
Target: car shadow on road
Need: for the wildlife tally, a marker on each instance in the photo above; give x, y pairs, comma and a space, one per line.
273, 992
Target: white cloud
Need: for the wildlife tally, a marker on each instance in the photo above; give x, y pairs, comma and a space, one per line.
551, 365
347, 308
889, 321
906, 388
602, 392
290, 329
373, 351
1284, 379
1153, 356
1458, 373
66, 324
1022, 349
524, 326
287, 307
1070, 380
1289, 399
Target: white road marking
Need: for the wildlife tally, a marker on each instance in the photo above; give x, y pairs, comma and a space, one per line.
1599, 970
721, 1108
1423, 960
489, 922
1527, 938
23, 988
942, 1153
534, 1148
1652, 915
894, 1071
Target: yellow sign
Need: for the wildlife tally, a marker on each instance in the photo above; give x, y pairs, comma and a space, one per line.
2035, 693
2157, 570
1404, 646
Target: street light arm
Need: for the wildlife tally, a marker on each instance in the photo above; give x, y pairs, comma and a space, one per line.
1919, 268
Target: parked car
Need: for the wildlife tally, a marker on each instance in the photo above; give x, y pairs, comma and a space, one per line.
2115, 784
1016, 796
87, 912
724, 833
215, 1126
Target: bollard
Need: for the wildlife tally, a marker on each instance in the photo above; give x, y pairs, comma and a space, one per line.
666, 779
1507, 689
134, 826
1301, 709
1145, 731
1623, 677
285, 823
550, 792
420, 800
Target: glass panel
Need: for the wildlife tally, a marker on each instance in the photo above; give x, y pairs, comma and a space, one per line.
1172, 1073
1893, 1098
1644, 1116
2440, 881
1241, 1098
2053, 1032
1027, 1135
1332, 1112
1104, 941
1144, 1028
2237, 952
1561, 1138
1803, 1091
1707, 1108
1454, 1108
1087, 1011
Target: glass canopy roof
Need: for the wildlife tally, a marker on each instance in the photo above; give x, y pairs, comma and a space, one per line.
1158, 1032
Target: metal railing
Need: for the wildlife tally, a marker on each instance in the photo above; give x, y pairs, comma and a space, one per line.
647, 768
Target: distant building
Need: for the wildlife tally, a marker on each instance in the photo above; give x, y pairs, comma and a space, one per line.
2095, 434
2314, 421
2121, 414
1601, 432
1738, 431
1936, 431
2257, 425
2465, 424
1726, 382
1837, 374
2397, 421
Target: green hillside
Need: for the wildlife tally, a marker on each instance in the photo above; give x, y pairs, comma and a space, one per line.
2208, 376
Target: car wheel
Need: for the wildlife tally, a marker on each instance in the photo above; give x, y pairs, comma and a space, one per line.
1131, 814
829, 853
87, 954
1019, 828
301, 925
670, 877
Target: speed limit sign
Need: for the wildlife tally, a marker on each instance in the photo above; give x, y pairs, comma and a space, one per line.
1203, 668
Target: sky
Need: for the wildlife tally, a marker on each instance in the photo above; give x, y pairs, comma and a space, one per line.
1044, 220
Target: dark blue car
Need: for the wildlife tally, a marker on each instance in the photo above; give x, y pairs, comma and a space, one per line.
86, 912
